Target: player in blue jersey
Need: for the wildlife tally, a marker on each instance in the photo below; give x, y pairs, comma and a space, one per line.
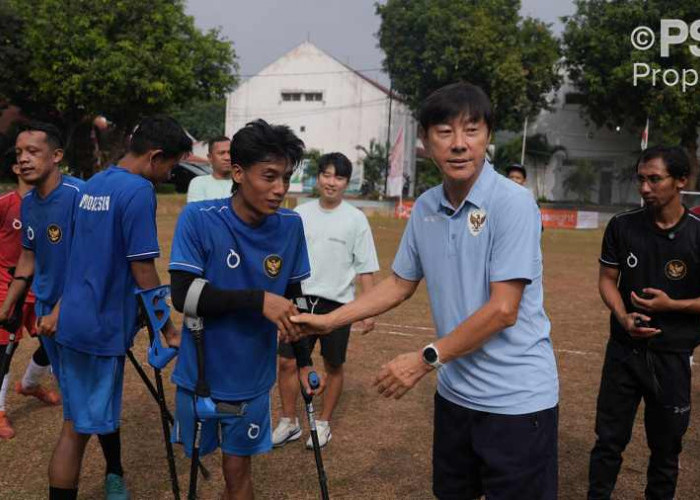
48, 218
247, 257
113, 252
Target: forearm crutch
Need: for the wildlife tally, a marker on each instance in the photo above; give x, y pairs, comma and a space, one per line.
156, 312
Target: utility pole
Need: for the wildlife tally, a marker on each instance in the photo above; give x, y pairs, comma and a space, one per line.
388, 141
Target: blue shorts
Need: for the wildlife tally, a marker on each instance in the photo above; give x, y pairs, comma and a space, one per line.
51, 348
242, 436
92, 390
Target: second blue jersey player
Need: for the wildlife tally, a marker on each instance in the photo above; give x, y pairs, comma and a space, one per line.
246, 257
113, 251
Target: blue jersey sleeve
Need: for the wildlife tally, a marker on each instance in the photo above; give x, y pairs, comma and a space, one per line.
516, 245
302, 269
187, 252
27, 230
407, 263
139, 225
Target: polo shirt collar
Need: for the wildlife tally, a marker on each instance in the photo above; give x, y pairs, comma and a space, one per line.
477, 194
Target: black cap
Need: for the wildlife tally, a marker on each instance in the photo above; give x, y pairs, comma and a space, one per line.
518, 167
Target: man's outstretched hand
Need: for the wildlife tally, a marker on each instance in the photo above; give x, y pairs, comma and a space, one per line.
313, 324
278, 310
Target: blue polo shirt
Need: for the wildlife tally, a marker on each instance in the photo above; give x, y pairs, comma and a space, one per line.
240, 348
48, 232
494, 235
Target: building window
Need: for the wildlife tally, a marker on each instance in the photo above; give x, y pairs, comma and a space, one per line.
292, 96
302, 128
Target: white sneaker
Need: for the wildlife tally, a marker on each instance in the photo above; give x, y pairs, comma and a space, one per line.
286, 431
323, 429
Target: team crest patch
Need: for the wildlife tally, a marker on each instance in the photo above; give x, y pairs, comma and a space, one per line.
272, 265
476, 220
675, 269
54, 233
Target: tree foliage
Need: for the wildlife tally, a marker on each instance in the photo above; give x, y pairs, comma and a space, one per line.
538, 151
374, 166
204, 119
431, 43
581, 180
600, 61
123, 59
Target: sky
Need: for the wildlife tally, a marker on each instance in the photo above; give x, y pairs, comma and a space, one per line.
264, 30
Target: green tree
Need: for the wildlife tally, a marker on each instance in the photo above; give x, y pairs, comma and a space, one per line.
204, 119
581, 179
600, 61
373, 169
430, 43
427, 175
121, 59
538, 151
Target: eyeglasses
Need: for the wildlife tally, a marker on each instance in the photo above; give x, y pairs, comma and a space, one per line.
652, 180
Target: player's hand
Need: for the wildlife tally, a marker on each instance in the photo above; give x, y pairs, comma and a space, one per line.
313, 324
172, 335
401, 374
655, 300
278, 310
46, 325
365, 326
631, 323
304, 379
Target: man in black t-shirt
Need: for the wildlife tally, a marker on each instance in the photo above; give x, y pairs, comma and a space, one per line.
650, 281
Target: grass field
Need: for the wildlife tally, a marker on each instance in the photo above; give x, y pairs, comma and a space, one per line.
380, 449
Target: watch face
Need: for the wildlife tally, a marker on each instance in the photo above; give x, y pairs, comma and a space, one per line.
430, 355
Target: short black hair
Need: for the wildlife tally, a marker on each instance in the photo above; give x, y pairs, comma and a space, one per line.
160, 132
259, 141
343, 166
451, 101
518, 167
54, 138
674, 157
214, 140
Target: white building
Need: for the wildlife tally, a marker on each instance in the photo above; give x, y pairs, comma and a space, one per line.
329, 105
612, 153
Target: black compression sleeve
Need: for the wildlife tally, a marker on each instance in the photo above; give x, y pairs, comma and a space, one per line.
213, 301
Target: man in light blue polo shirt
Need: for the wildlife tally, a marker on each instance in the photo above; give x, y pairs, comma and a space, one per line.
476, 241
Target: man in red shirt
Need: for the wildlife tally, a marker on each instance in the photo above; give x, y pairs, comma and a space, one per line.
10, 248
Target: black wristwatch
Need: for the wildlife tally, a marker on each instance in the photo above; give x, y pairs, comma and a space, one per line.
431, 356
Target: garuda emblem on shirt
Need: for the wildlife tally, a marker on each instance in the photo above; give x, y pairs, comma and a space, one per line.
54, 233
476, 220
272, 265
675, 269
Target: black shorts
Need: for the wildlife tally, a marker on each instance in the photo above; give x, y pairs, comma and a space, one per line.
334, 346
500, 456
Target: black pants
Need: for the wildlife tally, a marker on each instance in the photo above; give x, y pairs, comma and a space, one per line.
505, 457
663, 380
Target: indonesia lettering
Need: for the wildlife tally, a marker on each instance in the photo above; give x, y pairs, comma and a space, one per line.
94, 203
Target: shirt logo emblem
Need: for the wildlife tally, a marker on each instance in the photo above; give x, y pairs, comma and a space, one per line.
476, 220
233, 260
632, 260
675, 269
54, 233
272, 265
253, 431
30, 233
17, 224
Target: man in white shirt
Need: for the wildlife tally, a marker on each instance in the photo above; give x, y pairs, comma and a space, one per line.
218, 184
341, 251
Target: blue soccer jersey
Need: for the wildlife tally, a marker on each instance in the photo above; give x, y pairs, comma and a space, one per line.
211, 241
48, 231
115, 225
